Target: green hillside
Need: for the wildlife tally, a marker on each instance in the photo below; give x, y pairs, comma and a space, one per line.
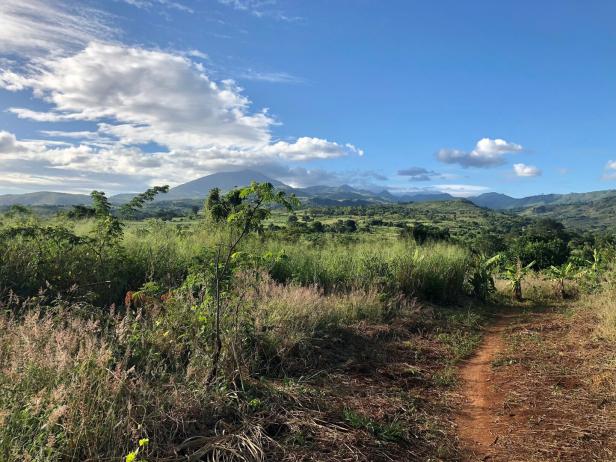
596, 215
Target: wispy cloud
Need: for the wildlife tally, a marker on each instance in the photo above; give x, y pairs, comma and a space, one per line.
150, 4
260, 9
272, 77
39, 27
487, 153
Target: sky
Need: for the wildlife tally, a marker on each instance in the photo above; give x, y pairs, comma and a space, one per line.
514, 96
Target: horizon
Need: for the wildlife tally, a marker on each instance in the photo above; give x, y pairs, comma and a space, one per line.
376, 191
514, 98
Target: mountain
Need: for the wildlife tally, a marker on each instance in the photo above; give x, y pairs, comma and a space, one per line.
200, 188
504, 202
225, 181
44, 198
426, 197
494, 200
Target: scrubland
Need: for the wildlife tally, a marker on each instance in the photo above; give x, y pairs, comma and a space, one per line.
138, 343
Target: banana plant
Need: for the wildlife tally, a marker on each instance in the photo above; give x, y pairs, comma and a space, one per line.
561, 274
515, 274
481, 279
594, 266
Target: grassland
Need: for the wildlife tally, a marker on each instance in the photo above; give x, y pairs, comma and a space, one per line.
335, 344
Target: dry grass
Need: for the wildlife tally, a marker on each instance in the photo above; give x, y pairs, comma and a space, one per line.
604, 304
557, 379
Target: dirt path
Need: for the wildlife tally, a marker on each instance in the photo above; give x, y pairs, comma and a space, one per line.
477, 421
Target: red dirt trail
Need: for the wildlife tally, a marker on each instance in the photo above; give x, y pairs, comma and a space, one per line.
477, 422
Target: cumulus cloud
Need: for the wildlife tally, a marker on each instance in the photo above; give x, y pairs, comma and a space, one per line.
9, 144
526, 170
135, 97
487, 153
419, 174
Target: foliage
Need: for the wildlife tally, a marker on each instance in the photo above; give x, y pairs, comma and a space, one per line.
136, 203
545, 242
561, 274
481, 278
515, 274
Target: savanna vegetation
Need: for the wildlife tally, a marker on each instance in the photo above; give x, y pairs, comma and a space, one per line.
256, 329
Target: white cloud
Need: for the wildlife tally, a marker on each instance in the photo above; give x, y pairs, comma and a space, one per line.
526, 170
8, 143
129, 101
610, 170
154, 96
487, 153
136, 97
38, 27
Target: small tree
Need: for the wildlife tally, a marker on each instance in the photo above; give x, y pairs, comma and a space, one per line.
242, 211
515, 274
561, 274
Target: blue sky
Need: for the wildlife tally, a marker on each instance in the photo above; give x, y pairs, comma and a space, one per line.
464, 97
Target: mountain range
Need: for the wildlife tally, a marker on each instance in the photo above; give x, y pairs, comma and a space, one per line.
545, 204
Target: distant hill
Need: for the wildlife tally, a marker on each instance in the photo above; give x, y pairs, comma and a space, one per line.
502, 201
592, 210
598, 215
44, 198
426, 197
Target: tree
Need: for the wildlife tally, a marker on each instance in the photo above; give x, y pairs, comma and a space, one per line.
136, 203
17, 210
219, 207
79, 212
244, 211
545, 242
317, 227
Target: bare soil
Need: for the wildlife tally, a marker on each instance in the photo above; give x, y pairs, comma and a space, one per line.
541, 387
477, 426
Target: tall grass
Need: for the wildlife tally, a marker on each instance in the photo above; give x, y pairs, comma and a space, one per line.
435, 271
166, 253
81, 385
